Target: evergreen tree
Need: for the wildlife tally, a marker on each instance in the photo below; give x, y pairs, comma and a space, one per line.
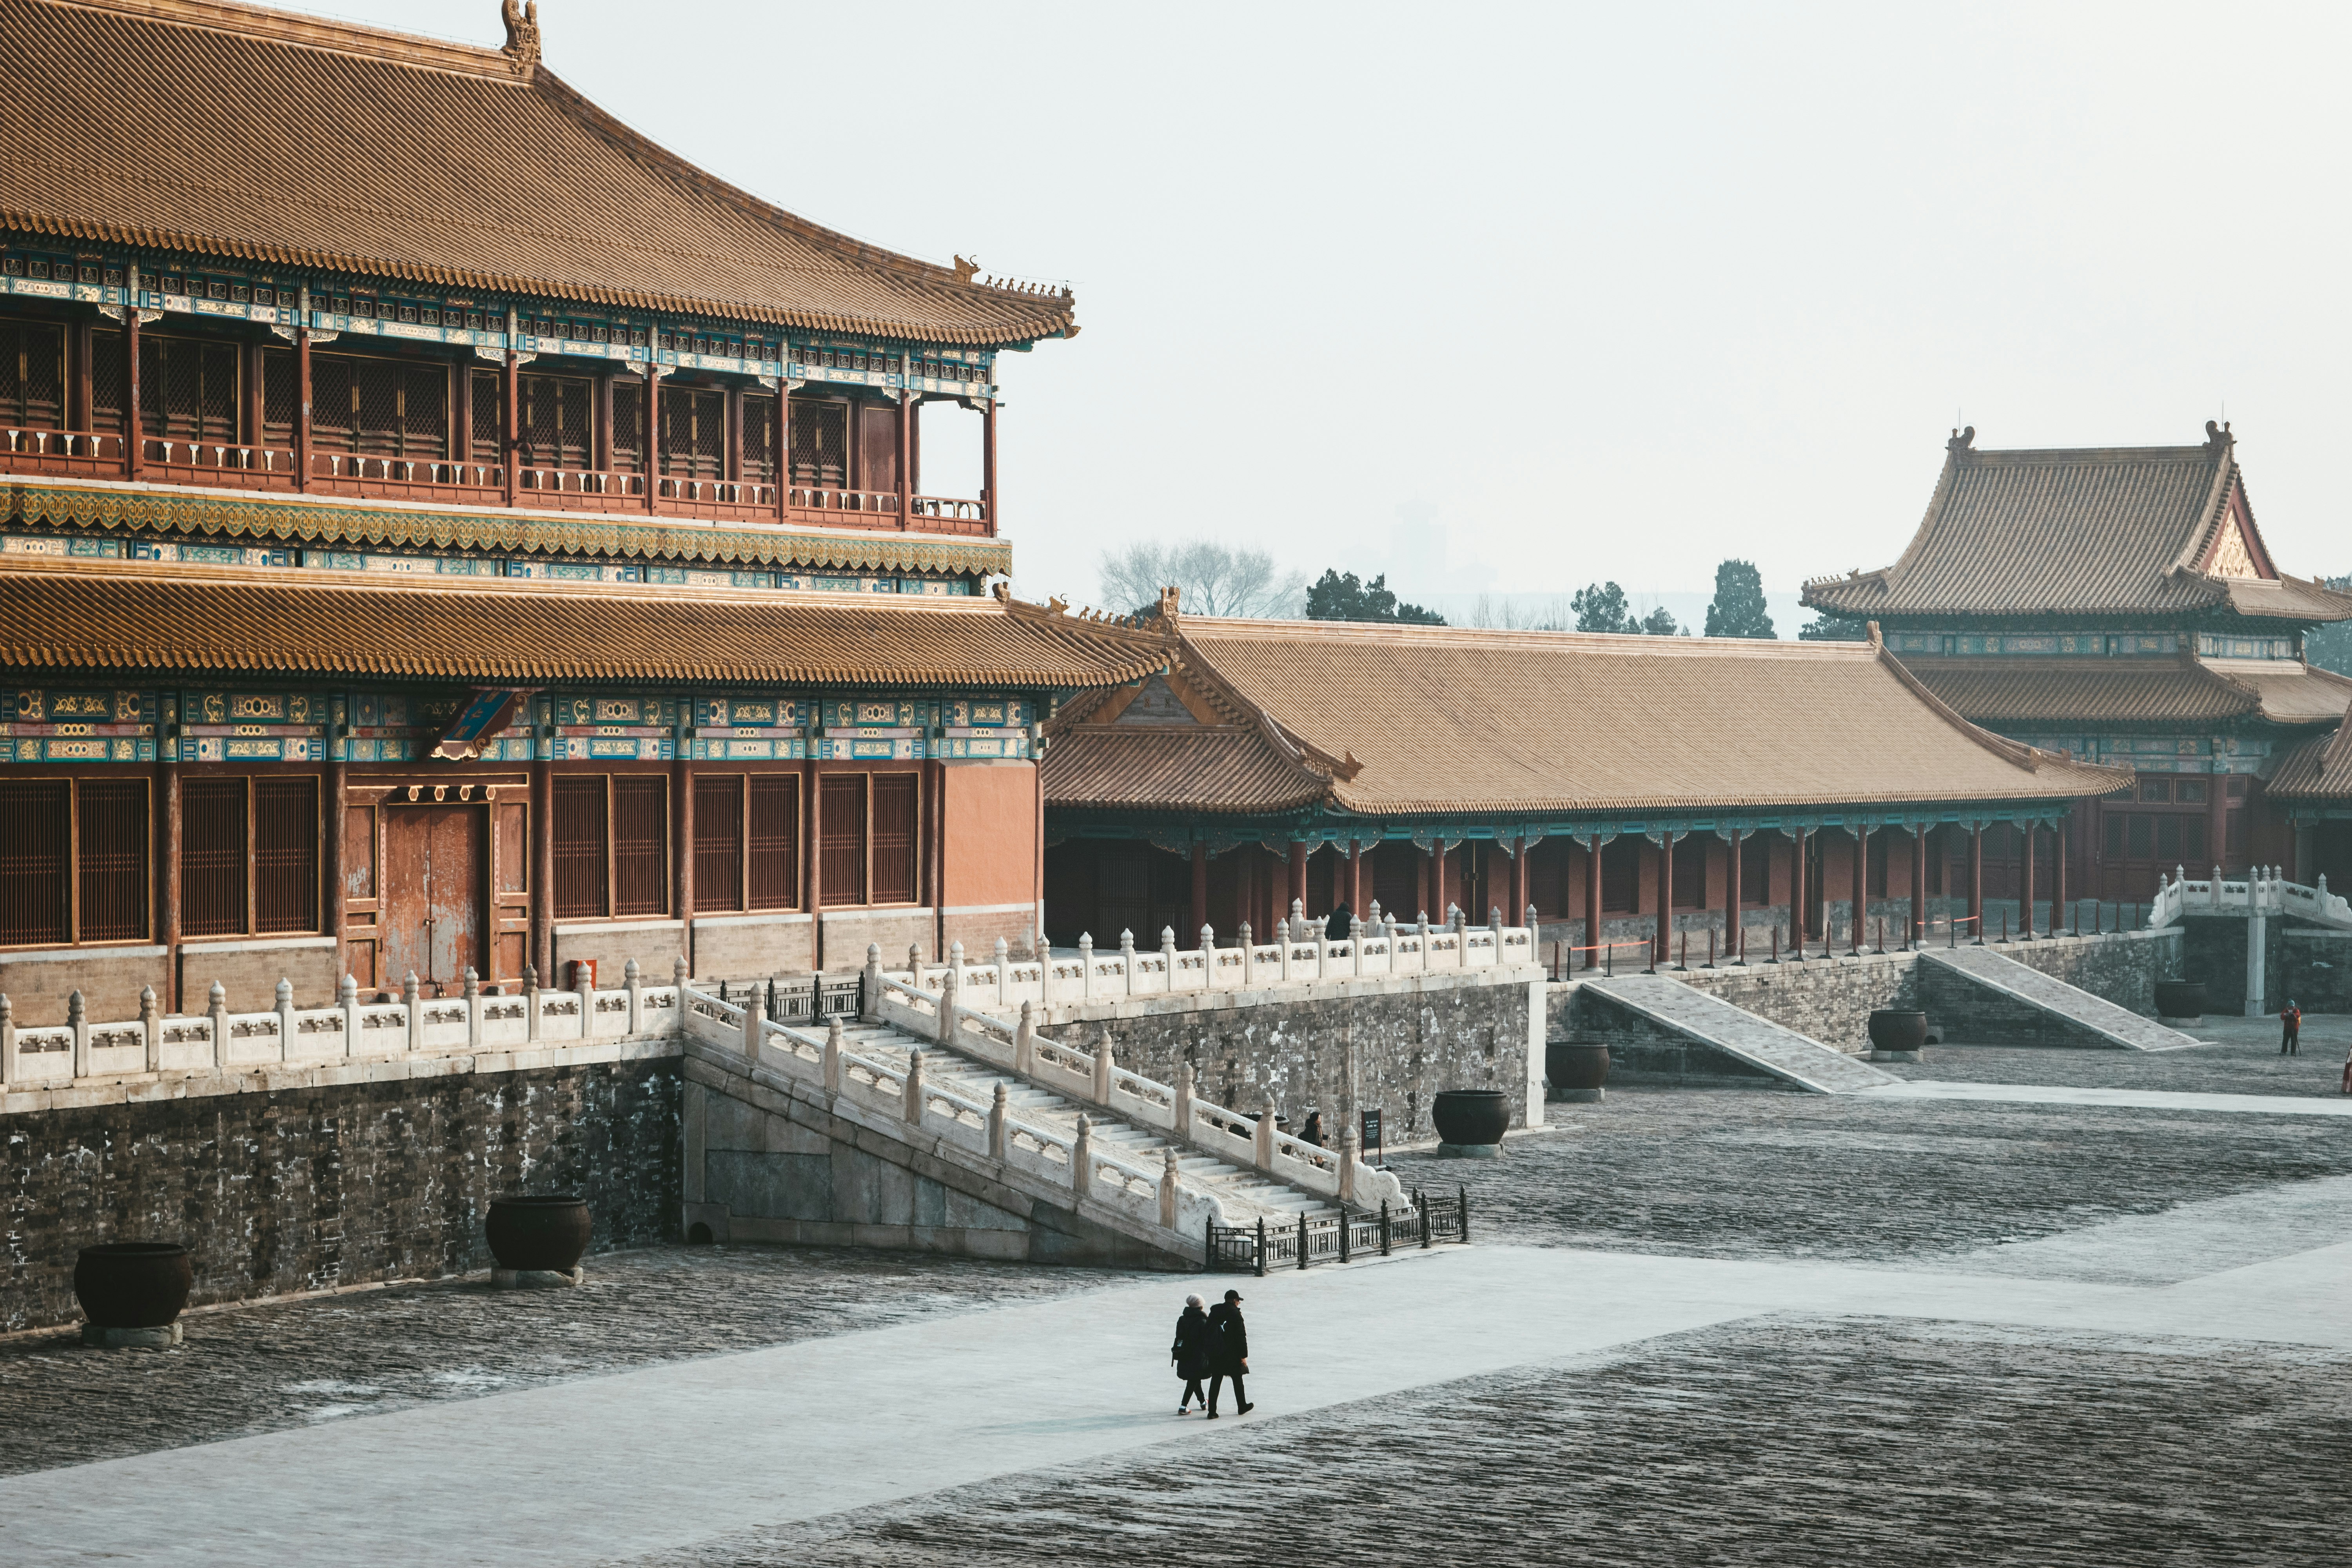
1601, 608
1658, 623
1340, 596
1738, 609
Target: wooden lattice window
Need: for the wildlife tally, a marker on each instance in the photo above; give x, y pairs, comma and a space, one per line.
841, 838
107, 364
628, 426
484, 401
285, 854
640, 843
771, 853
36, 815
187, 389
558, 422
281, 397
213, 840
694, 433
820, 443
719, 841
896, 839
32, 375
110, 859
379, 408
758, 439
583, 847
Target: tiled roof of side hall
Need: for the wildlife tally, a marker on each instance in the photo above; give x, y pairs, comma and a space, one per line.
1424, 720
2010, 691
228, 130
2092, 530
128, 618
2319, 769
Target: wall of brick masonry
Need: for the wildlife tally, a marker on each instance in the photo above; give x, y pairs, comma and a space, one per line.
1642, 1051
306, 1189
2124, 969
1411, 1037
2314, 967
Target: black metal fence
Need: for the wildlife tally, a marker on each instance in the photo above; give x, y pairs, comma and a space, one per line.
1339, 1239
798, 999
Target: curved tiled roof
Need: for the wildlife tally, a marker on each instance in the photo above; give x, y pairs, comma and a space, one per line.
2319, 769
130, 617
1219, 768
2008, 690
2290, 691
2111, 530
1433, 719
232, 131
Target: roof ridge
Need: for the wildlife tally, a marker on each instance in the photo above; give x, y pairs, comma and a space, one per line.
2025, 756
331, 35
1273, 630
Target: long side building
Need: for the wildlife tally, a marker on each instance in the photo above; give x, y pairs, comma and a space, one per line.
1631, 788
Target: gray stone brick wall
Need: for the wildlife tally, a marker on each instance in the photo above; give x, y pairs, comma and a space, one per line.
1409, 1043
1642, 1051
2124, 969
2314, 967
307, 1189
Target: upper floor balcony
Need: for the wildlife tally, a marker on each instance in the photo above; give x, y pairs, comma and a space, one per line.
91, 400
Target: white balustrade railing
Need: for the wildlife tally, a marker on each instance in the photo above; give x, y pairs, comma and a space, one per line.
2262, 892
217, 1040
1301, 955
1148, 1193
1092, 1079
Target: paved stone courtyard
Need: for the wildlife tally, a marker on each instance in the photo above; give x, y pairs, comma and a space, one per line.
1700, 1326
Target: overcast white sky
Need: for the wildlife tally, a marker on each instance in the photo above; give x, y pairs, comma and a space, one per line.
1513, 297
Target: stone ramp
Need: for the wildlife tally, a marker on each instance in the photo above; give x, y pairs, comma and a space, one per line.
1717, 1024
2041, 1003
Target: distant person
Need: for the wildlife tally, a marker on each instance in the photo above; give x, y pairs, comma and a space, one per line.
1341, 925
2348, 1072
1313, 1132
1229, 1354
2290, 1029
1194, 1341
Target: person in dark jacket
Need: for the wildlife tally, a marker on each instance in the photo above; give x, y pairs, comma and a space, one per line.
1229, 1355
1190, 1352
1341, 925
1313, 1132
2290, 1029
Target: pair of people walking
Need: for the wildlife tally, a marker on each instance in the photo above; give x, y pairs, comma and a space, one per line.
1213, 1344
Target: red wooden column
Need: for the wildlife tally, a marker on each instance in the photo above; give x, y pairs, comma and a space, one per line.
1520, 885
1437, 880
813, 898
1734, 933
734, 460
1976, 878
935, 865
167, 882
784, 439
653, 437
681, 787
542, 873
1861, 884
78, 386
1918, 885
1200, 892
1797, 921
1592, 902
988, 480
132, 442
2217, 821
2025, 921
1297, 893
332, 817
248, 414
1662, 940
907, 462
2058, 911
511, 422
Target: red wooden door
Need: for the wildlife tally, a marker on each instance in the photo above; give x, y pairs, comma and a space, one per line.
432, 863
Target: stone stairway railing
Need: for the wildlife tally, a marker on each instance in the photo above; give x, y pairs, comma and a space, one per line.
1156, 1204
219, 1041
1095, 1078
2261, 892
1301, 955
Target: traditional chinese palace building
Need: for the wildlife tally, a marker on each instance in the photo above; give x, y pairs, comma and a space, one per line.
2119, 606
1432, 768
414, 563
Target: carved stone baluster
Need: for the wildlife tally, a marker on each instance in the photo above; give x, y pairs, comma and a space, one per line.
1262, 1150
1168, 958
348, 997
1025, 1041
632, 978
913, 1107
1184, 1128
1082, 1158
950, 991
1086, 965
833, 1054
870, 985
1105, 1063
999, 1131
1127, 960
285, 1019
78, 1020
7, 1041
473, 1009
530, 1003
1249, 956
1003, 966
216, 1011
754, 1024
1208, 958
151, 1029
1168, 1188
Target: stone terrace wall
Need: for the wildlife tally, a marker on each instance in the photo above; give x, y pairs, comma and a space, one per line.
1643, 1051
2122, 969
2314, 967
1412, 1035
310, 1188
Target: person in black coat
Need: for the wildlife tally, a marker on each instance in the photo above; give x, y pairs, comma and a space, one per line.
1341, 925
1194, 1339
1229, 1356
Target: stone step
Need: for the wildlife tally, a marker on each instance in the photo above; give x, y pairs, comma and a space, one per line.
1710, 1021
2077, 1010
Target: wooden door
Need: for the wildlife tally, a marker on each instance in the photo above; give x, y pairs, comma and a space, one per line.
433, 864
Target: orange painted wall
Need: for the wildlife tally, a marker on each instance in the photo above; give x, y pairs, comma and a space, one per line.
991, 853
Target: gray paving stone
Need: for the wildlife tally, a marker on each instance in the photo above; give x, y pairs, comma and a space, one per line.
1793, 1441
2241, 1057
